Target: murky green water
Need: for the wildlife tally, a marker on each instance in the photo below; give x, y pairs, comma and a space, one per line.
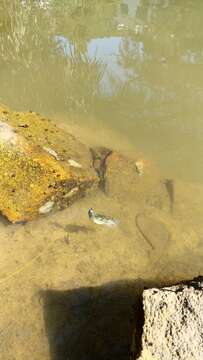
135, 66
125, 74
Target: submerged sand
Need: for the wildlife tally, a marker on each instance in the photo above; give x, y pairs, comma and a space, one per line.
68, 286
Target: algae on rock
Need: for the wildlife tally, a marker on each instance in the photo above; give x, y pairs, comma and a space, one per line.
41, 166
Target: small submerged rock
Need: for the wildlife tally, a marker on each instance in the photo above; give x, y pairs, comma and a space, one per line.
74, 163
46, 208
139, 164
52, 152
8, 135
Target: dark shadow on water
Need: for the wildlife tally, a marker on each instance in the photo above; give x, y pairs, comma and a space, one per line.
94, 323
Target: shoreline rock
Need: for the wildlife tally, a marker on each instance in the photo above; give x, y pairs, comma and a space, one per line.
173, 325
42, 167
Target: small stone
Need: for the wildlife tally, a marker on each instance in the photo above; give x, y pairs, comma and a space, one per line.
52, 152
139, 164
46, 208
7, 134
71, 192
74, 163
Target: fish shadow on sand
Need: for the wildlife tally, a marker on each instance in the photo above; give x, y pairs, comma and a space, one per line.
74, 228
95, 322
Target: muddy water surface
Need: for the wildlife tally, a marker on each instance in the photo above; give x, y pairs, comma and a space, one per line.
126, 75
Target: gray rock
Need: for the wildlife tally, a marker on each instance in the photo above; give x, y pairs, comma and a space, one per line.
173, 327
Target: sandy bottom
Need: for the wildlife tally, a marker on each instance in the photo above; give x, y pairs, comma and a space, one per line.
70, 289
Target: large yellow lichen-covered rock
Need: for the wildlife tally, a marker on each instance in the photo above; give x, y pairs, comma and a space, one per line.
42, 167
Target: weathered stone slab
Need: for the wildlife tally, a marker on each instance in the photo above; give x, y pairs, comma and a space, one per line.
42, 167
173, 327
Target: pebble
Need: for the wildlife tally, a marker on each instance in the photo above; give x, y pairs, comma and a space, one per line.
46, 208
